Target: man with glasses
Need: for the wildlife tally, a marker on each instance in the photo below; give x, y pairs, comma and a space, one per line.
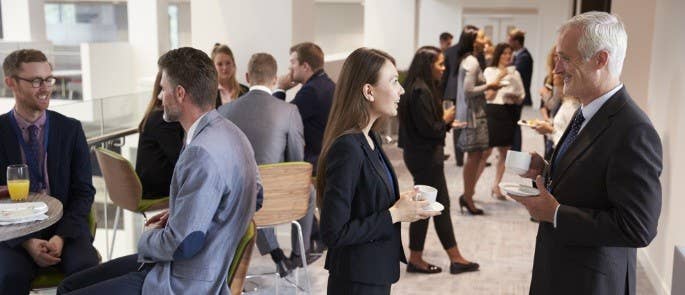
54, 148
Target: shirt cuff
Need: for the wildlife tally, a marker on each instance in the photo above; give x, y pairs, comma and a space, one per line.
555, 215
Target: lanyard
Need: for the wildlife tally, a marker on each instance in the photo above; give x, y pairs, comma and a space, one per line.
29, 156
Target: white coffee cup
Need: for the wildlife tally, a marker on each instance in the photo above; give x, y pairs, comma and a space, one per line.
427, 193
517, 162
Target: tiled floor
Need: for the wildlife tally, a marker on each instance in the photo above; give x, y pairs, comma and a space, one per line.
502, 241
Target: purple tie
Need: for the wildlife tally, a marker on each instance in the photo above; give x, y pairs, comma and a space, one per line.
33, 159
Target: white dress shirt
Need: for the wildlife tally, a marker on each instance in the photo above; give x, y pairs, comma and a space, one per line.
261, 87
192, 128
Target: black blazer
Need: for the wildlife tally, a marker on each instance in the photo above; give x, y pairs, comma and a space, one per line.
159, 146
450, 77
313, 101
69, 174
243, 89
421, 123
363, 243
608, 186
524, 65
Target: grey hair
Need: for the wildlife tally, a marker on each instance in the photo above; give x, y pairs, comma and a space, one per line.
600, 31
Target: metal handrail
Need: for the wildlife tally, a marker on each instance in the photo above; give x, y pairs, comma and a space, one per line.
110, 136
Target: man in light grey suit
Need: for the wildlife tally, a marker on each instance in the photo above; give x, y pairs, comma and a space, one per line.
188, 248
276, 136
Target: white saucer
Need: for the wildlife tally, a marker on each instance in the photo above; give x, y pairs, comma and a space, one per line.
518, 190
434, 207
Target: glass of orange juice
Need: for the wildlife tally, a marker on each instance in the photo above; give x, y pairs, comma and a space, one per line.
18, 182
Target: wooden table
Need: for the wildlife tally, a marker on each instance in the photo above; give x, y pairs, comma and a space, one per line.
8, 232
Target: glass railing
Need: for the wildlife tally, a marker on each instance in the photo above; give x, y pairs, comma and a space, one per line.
111, 123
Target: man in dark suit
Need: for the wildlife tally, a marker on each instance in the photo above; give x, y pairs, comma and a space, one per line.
450, 80
55, 150
524, 65
600, 197
313, 101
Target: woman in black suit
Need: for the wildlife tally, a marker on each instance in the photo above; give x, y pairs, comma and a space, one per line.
159, 145
423, 126
358, 191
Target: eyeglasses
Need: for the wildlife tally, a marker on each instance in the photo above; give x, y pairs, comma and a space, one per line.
37, 82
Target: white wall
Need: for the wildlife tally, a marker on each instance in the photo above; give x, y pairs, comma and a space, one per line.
339, 27
148, 23
638, 17
666, 108
435, 17
246, 27
23, 20
103, 75
389, 25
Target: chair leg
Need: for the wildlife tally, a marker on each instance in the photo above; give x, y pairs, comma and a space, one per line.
114, 232
303, 255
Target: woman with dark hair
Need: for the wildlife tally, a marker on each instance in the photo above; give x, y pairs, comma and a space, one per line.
423, 126
501, 108
159, 145
229, 88
473, 139
357, 189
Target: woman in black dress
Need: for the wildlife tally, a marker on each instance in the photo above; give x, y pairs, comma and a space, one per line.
229, 88
357, 189
423, 126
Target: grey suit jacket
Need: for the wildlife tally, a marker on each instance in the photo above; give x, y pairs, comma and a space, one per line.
212, 200
607, 183
274, 127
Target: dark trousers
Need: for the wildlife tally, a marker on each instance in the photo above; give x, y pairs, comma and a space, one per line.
458, 153
427, 168
17, 268
337, 286
516, 144
118, 276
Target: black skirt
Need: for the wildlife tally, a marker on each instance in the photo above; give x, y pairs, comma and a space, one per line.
501, 124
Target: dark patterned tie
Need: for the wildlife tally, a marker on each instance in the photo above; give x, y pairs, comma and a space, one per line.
33, 158
576, 122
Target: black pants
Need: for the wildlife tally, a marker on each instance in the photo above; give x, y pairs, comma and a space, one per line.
17, 268
427, 168
458, 153
118, 276
338, 286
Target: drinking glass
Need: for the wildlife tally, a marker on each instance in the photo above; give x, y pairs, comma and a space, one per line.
18, 182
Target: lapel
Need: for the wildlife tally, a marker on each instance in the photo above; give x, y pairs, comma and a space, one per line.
55, 147
594, 128
375, 161
9, 141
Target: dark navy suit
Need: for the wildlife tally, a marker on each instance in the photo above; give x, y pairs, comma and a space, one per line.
70, 180
313, 101
524, 65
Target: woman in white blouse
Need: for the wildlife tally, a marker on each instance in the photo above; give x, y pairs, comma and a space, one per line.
501, 108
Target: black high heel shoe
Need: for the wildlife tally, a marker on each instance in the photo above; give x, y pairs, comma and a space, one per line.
457, 268
430, 270
474, 211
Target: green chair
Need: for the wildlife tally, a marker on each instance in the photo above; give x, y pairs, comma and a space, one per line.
235, 277
124, 188
50, 277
